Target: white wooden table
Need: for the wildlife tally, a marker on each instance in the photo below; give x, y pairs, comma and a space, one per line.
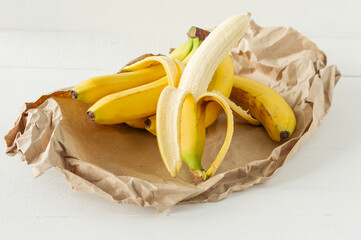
315, 195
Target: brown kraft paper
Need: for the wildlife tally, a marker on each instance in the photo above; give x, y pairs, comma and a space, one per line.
123, 164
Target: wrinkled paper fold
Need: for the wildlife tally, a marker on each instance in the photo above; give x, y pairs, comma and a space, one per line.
123, 164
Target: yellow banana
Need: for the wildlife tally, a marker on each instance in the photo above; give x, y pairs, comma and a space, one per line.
222, 82
179, 53
192, 131
192, 136
138, 102
128, 105
193, 86
93, 89
266, 105
182, 53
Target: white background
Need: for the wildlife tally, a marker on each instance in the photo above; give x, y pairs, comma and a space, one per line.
47, 45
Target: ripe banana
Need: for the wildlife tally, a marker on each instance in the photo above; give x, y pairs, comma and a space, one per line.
93, 89
194, 42
128, 105
266, 105
192, 95
222, 82
192, 136
138, 102
179, 53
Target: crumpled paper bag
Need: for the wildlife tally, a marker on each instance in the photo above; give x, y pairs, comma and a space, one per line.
123, 164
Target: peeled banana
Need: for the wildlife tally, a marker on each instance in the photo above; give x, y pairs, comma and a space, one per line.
222, 82
194, 82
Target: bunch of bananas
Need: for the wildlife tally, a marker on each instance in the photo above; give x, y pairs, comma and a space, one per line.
176, 97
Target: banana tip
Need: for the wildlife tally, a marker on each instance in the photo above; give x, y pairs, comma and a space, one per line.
204, 177
147, 123
74, 94
284, 135
91, 115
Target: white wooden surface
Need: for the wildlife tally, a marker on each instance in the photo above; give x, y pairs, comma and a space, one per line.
46, 45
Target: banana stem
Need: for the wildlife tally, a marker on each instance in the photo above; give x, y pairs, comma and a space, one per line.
194, 32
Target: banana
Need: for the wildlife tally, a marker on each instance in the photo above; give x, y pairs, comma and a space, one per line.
222, 82
192, 136
128, 105
192, 129
192, 88
95, 88
179, 53
138, 102
266, 105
